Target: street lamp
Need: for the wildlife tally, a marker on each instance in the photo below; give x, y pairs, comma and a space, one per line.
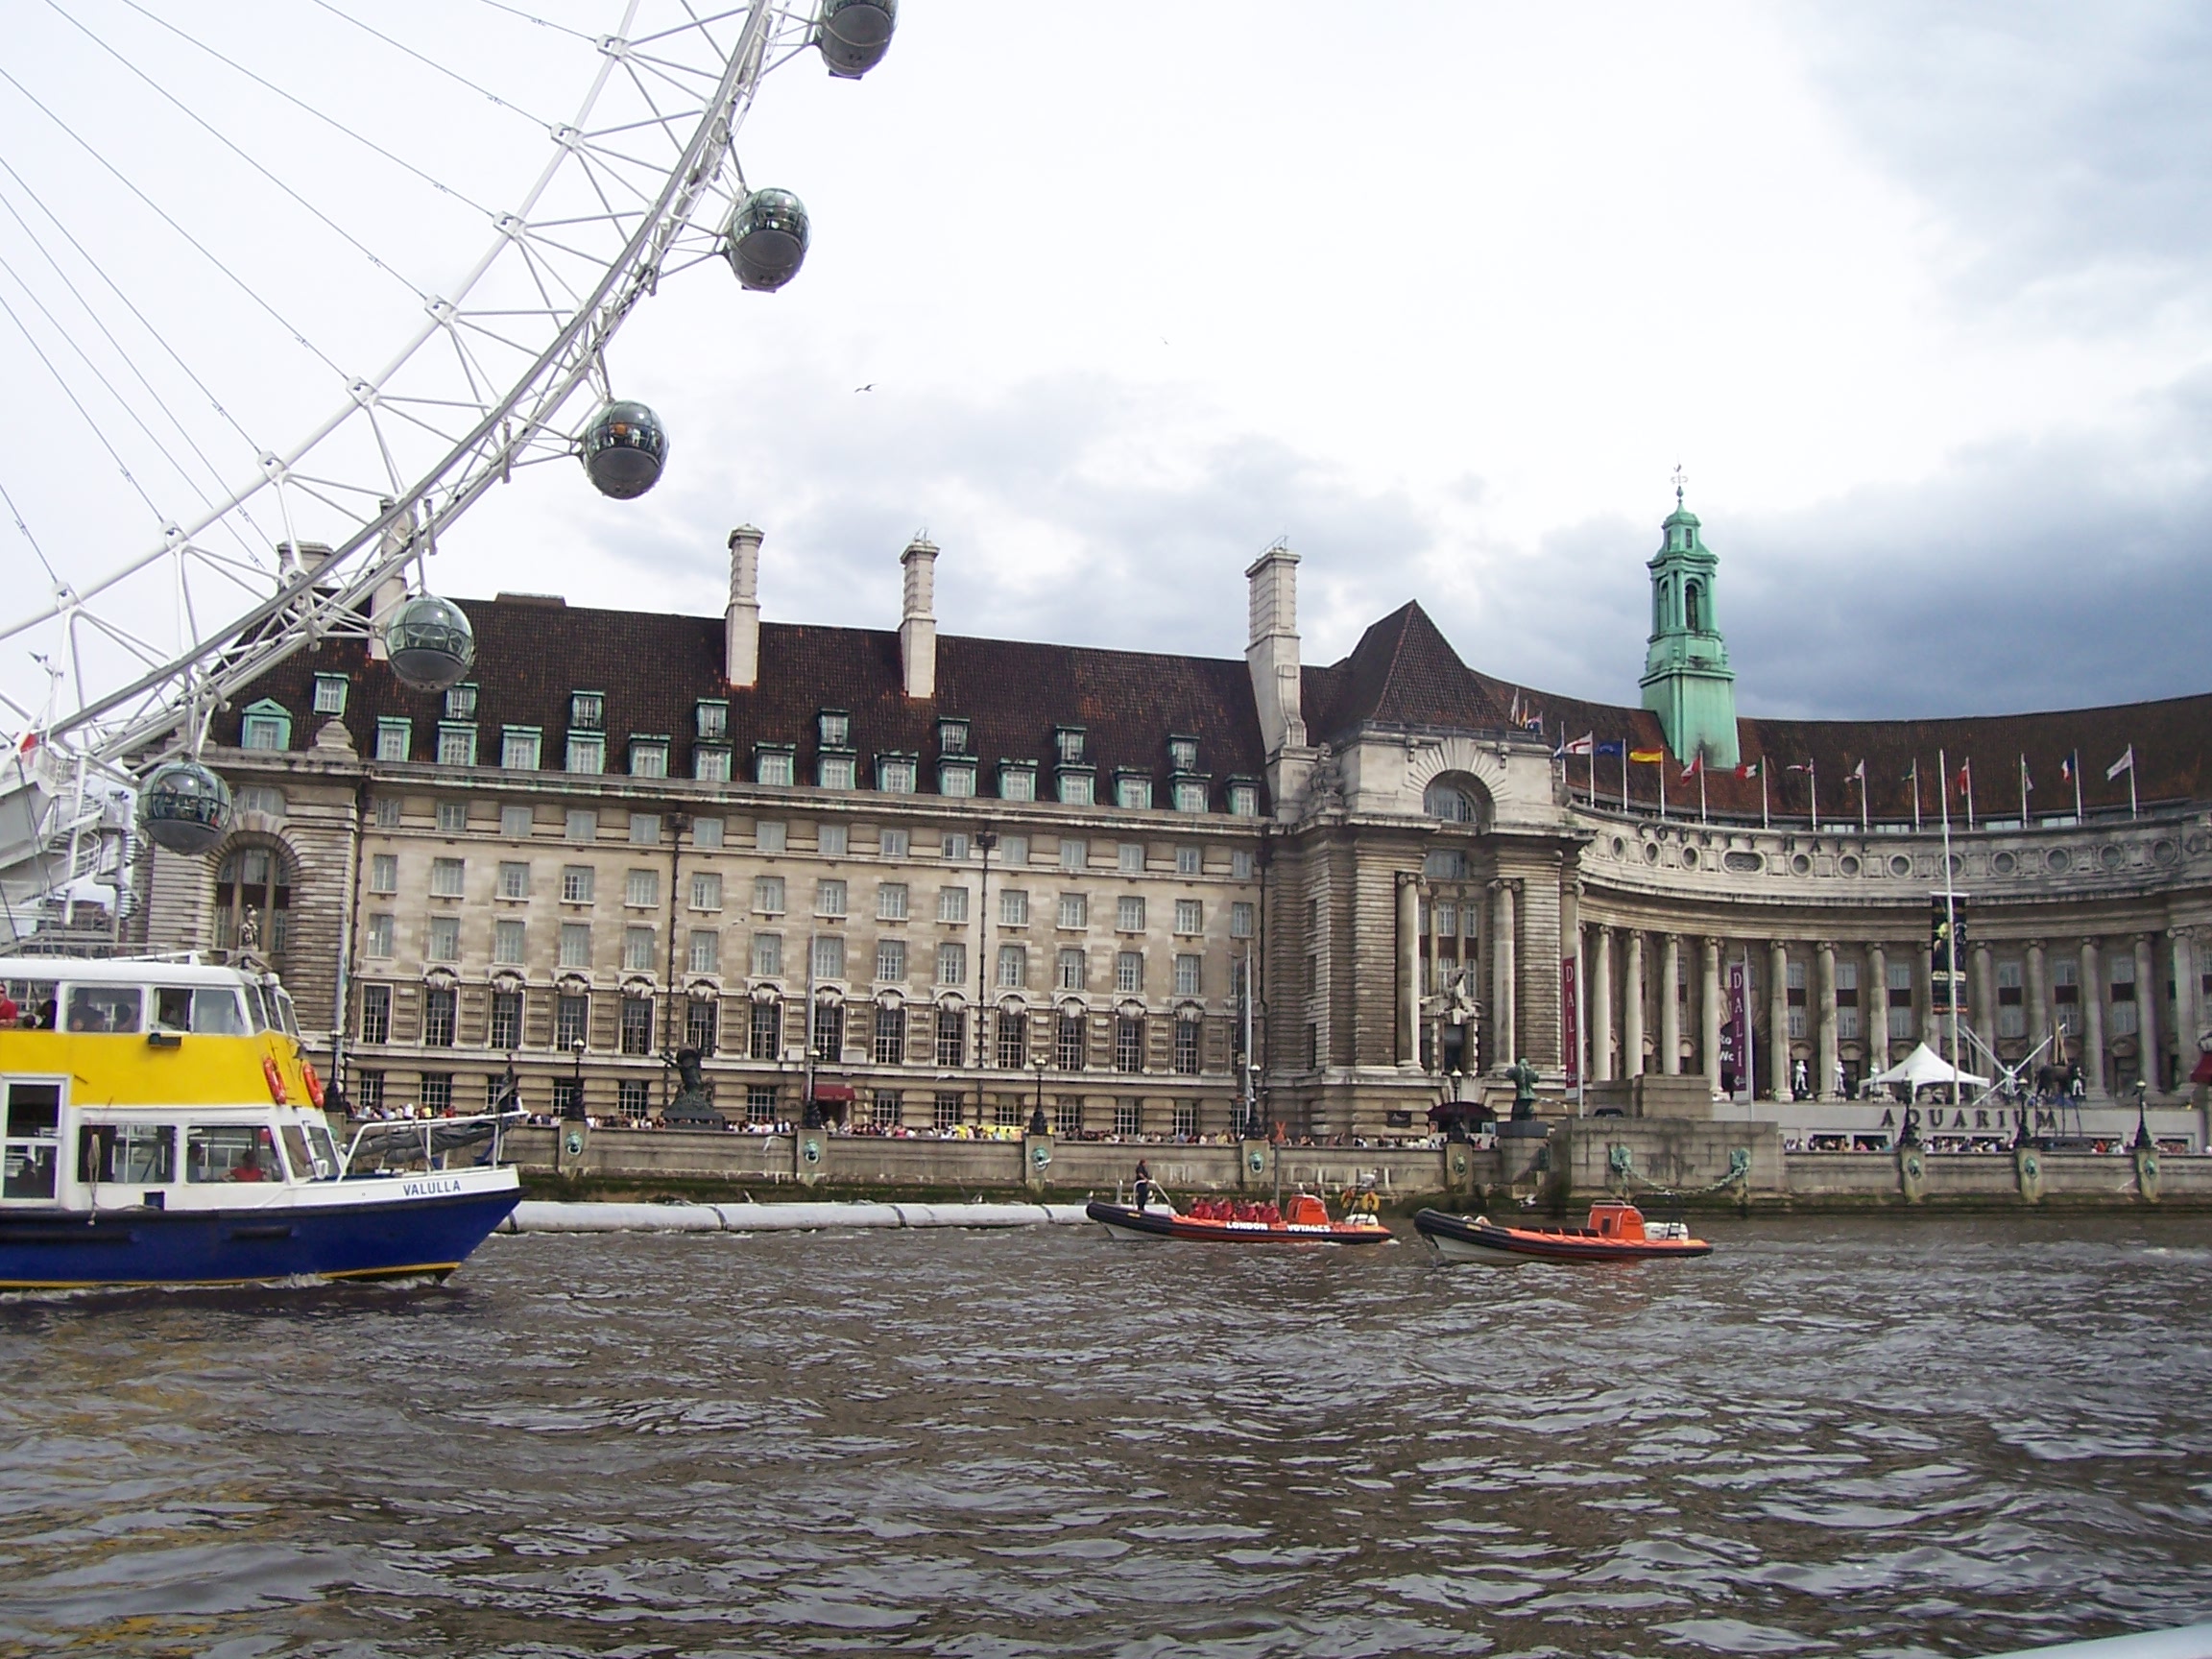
986, 838
575, 1112
1037, 1123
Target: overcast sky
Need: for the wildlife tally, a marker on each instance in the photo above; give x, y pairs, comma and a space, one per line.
1915, 294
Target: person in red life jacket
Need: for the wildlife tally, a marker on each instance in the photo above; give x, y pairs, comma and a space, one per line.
249, 1167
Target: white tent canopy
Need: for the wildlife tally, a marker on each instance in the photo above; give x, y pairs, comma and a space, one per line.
1923, 1066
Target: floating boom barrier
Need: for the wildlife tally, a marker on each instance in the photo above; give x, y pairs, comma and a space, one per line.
542, 1215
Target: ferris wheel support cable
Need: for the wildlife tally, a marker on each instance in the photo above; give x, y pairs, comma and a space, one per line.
69, 392
528, 18
238, 659
213, 132
443, 69
16, 512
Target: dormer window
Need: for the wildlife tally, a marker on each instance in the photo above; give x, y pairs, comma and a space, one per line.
586, 712
834, 728
711, 721
710, 762
1077, 785
648, 756
1133, 790
330, 693
1067, 744
461, 703
267, 725
836, 772
774, 764
1189, 794
1183, 754
1016, 780
956, 778
894, 773
952, 737
1244, 797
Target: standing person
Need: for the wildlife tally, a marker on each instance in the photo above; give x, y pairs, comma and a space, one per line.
1146, 1191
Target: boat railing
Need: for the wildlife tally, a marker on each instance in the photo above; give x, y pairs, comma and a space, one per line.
389, 1146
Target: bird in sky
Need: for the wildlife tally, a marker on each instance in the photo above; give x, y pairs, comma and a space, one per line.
870, 387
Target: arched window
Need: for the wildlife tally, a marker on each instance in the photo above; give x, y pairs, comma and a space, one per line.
1450, 805
1693, 602
252, 901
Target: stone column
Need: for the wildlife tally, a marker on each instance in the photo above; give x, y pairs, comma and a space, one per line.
2093, 1019
1670, 1004
1408, 969
1503, 976
2038, 995
1877, 1000
1984, 999
2147, 986
1601, 994
1825, 1057
1632, 1010
1933, 1025
1778, 1018
1709, 1004
2188, 1008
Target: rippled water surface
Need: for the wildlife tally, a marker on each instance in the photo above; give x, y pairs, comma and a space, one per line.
1857, 1436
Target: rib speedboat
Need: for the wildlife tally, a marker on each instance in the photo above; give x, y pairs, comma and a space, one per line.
1302, 1219
1615, 1231
159, 1125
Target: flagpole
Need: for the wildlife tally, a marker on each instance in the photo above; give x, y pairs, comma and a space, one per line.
1702, 787
1763, 820
1812, 788
1661, 783
1861, 797
1623, 774
1966, 771
2131, 780
1950, 926
1915, 794
2077, 786
2022, 791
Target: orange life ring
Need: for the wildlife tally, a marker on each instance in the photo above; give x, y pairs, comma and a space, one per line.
276, 1080
314, 1083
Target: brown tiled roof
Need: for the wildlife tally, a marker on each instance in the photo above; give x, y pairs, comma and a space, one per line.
1402, 673
654, 668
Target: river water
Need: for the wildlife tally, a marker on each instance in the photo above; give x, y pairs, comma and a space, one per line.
1931, 1435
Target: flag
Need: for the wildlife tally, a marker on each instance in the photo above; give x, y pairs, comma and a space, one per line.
1611, 746
1534, 722
1513, 714
1695, 766
1749, 769
1586, 745
28, 743
2070, 767
2026, 784
1858, 772
2126, 763
1647, 756
1806, 767
1965, 775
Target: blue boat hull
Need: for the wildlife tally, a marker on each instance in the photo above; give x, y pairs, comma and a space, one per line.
51, 1249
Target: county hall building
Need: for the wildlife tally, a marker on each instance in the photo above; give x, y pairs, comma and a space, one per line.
950, 878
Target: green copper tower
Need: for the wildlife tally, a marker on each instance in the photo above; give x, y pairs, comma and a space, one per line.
1687, 680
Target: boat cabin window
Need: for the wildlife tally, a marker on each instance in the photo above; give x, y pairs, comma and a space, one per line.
281, 1003
209, 1008
134, 1154
310, 1166
228, 1152
326, 1153
33, 1001
104, 1007
29, 1143
256, 1010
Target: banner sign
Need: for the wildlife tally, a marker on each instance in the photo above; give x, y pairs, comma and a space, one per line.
1947, 953
1571, 1018
1735, 1030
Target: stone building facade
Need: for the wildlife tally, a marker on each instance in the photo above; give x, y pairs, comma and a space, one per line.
953, 879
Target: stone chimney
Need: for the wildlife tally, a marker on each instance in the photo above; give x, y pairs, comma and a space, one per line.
1273, 651
917, 619
741, 638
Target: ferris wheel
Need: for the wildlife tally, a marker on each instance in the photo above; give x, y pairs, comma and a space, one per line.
259, 549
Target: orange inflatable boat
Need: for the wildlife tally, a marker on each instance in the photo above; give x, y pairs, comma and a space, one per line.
1616, 1232
1302, 1219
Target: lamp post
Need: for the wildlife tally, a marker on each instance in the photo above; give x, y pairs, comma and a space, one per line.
986, 838
575, 1112
1037, 1123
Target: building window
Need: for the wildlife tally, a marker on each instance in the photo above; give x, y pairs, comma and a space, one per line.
889, 1045
891, 901
267, 725
1129, 857
637, 1024
1013, 907
1129, 1042
381, 933
576, 884
376, 1014
1241, 915
1189, 862
644, 828
519, 747
516, 822
642, 889
952, 964
383, 872
1013, 1040
953, 904
829, 897
952, 735
1013, 967
1076, 788
760, 1104
1014, 851
452, 817
1067, 744
514, 879
1188, 795
1453, 805
705, 890
885, 1109
890, 961
764, 1031
767, 895
1183, 754
774, 764
1186, 1120
830, 956
957, 778
2011, 1008
710, 720
648, 756
1244, 800
1900, 1022
711, 764
586, 712
955, 847
330, 693
586, 754
768, 956
456, 744
394, 740
707, 833
1070, 1041
575, 944
701, 1024
1187, 1034
571, 1019
833, 728
1847, 1023
1129, 972
893, 843
829, 1031
507, 943
1074, 910
638, 950
1900, 977
1075, 853
461, 701
1069, 970
1017, 780
1132, 792
704, 955
1129, 914
506, 1018
1128, 1117
1190, 916
437, 1091
1187, 975
437, 1019
895, 774
831, 840
447, 876
951, 1039
580, 825
835, 771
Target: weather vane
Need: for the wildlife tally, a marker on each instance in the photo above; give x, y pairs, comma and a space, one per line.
1680, 478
